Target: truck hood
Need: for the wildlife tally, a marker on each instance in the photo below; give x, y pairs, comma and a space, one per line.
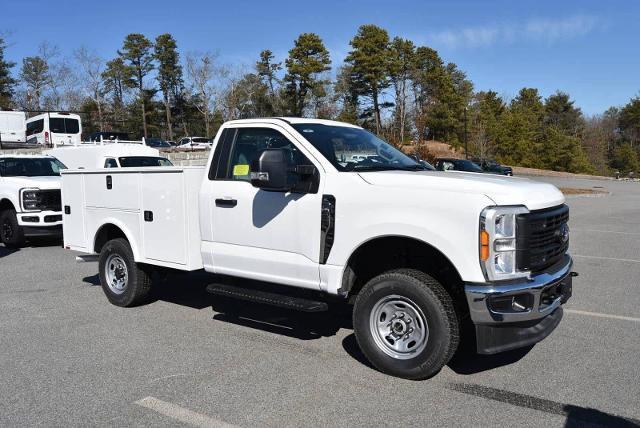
500, 189
39, 182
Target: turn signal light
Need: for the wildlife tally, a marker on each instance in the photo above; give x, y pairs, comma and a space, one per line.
484, 245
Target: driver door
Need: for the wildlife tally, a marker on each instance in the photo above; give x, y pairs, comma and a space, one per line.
259, 234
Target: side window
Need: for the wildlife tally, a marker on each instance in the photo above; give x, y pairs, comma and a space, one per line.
447, 166
217, 154
35, 127
250, 143
110, 163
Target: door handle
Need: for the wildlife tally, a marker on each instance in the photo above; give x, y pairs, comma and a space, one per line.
226, 203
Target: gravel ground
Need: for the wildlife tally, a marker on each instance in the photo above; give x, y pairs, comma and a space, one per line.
70, 359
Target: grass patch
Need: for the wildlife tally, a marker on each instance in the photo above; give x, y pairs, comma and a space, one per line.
579, 191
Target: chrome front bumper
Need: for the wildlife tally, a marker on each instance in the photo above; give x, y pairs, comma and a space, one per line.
525, 300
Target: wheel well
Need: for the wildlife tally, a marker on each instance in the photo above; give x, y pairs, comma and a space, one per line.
106, 233
392, 252
5, 204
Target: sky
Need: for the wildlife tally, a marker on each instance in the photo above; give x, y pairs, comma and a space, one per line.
589, 49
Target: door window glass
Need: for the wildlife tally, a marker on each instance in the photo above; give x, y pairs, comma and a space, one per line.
249, 145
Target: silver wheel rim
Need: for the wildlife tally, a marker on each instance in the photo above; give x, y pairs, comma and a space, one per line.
116, 274
399, 327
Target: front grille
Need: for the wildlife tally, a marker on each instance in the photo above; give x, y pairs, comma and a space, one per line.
50, 200
542, 238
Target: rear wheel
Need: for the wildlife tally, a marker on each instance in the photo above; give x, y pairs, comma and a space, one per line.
11, 234
405, 324
124, 282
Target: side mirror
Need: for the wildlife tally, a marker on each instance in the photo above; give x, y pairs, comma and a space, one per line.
269, 172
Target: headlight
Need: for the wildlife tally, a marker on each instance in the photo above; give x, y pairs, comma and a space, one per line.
498, 243
31, 199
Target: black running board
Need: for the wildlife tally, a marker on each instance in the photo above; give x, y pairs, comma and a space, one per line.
273, 299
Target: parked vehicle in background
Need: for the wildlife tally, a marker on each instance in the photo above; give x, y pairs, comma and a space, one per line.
422, 162
419, 253
54, 129
111, 154
108, 136
12, 127
195, 143
489, 165
157, 143
29, 198
451, 164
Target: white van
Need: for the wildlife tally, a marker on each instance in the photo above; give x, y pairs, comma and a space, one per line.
54, 129
108, 155
12, 126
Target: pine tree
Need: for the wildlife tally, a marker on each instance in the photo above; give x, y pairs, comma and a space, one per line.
36, 75
169, 73
307, 60
7, 83
559, 111
137, 52
401, 61
267, 70
369, 61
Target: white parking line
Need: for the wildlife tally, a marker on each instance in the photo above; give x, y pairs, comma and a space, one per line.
181, 414
604, 231
606, 258
600, 315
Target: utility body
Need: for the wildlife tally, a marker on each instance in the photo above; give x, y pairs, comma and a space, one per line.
419, 253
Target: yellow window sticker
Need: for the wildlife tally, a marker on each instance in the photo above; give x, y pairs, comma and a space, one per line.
241, 170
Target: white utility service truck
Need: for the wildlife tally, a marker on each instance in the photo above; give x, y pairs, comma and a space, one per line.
419, 253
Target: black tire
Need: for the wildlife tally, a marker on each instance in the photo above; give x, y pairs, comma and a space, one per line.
137, 285
430, 300
11, 234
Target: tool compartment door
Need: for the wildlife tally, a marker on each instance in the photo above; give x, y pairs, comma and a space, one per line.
163, 215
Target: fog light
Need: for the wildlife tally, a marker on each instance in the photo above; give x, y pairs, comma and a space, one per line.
30, 219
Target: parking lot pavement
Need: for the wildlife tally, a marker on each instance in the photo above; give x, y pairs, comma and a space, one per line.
69, 358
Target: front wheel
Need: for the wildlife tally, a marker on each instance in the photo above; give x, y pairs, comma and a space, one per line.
405, 324
11, 234
124, 282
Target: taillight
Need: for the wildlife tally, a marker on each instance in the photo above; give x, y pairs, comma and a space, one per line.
46, 137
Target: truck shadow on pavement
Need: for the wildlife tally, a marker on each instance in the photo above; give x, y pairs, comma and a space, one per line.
4, 251
31, 243
189, 289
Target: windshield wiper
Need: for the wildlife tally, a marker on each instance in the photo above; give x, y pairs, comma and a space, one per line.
375, 168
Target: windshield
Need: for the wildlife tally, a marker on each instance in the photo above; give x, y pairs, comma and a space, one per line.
30, 167
133, 161
354, 149
465, 165
157, 143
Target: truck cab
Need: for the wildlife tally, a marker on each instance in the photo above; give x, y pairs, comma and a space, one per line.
293, 202
30, 202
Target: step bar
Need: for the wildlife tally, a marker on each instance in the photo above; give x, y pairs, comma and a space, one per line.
267, 298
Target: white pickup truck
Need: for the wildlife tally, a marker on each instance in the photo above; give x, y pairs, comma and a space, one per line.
419, 253
30, 202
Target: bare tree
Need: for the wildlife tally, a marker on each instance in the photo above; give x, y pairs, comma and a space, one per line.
202, 73
92, 67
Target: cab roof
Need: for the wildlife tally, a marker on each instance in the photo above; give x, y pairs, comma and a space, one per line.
291, 121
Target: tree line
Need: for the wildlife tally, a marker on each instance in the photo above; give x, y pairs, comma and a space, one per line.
403, 92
